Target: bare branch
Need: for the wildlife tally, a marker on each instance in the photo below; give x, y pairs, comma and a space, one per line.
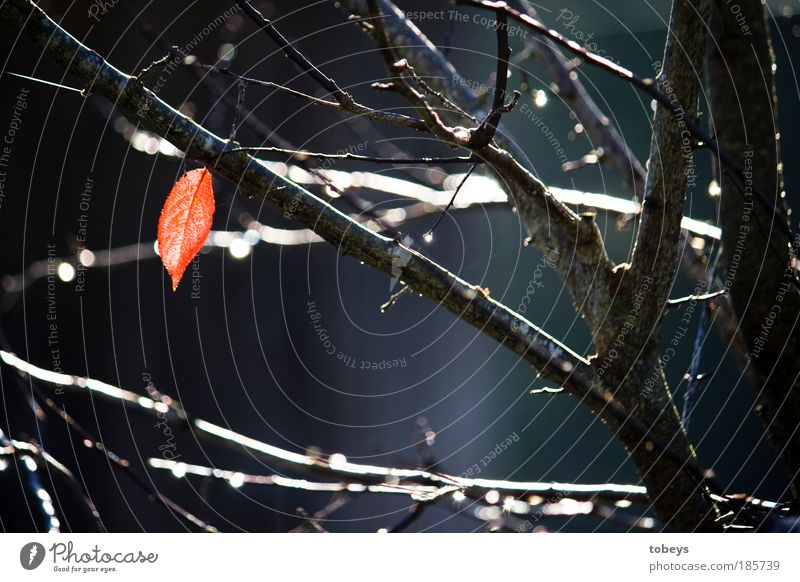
605, 137
554, 360
484, 133
657, 252
452, 200
348, 476
344, 99
695, 298
301, 154
779, 216
120, 464
347, 106
428, 62
20, 450
761, 269
588, 271
552, 225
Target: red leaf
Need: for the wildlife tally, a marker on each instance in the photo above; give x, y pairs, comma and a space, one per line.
185, 222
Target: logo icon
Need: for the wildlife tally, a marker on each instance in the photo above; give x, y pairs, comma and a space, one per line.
400, 258
31, 555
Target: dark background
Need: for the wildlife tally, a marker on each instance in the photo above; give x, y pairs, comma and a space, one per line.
245, 354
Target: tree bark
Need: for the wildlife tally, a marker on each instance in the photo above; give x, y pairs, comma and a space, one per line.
629, 350
743, 108
677, 497
635, 378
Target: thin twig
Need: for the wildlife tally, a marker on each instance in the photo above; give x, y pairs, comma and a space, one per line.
301, 154
693, 378
547, 390
413, 515
344, 99
237, 111
158, 62
438, 94
598, 126
295, 55
455, 136
373, 114
484, 133
309, 522
123, 465
695, 298
394, 298
19, 449
555, 361
49, 83
452, 200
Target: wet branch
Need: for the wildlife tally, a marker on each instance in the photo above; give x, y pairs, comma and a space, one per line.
347, 476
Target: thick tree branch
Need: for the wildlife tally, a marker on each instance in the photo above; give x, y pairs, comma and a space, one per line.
657, 253
635, 359
555, 361
660, 453
583, 264
760, 271
592, 283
